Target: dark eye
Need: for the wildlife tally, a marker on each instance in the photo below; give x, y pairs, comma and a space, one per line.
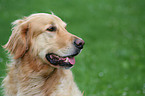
52, 28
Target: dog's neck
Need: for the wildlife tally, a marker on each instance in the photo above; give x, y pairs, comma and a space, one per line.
42, 75
37, 65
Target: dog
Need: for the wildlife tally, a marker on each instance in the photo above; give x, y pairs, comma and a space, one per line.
42, 53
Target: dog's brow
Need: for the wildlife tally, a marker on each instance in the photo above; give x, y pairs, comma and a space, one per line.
63, 24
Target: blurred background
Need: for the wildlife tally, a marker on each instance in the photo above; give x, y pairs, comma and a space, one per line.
112, 62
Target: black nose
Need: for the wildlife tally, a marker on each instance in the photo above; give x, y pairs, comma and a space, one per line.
79, 43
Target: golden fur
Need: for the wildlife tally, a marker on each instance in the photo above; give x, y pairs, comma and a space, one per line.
29, 73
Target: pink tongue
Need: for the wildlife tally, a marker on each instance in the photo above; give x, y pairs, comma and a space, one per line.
71, 60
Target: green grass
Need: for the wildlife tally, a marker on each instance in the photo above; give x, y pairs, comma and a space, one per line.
112, 62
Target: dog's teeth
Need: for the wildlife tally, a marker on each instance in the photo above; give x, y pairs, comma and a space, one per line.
66, 60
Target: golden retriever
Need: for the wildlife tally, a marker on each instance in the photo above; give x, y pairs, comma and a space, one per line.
41, 49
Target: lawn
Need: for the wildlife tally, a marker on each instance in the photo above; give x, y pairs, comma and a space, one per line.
113, 60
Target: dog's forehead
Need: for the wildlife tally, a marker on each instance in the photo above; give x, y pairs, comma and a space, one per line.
46, 19
57, 20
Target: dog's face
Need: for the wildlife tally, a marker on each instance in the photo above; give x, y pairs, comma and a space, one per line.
47, 38
54, 44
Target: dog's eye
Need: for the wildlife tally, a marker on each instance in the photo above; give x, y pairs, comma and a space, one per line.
51, 29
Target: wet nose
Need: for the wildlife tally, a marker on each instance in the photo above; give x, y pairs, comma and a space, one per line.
79, 43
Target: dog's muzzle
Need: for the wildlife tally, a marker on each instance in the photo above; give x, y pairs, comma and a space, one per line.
65, 61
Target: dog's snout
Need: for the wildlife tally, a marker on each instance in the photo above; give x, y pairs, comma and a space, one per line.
79, 43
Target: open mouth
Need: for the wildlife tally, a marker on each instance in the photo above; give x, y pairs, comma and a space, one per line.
58, 61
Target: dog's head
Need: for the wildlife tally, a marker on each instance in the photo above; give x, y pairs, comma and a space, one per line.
45, 36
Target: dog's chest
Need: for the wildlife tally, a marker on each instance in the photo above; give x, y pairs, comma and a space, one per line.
66, 87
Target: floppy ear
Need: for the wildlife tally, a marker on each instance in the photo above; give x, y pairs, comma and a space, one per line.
18, 41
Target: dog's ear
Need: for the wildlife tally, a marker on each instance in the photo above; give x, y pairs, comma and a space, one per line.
18, 43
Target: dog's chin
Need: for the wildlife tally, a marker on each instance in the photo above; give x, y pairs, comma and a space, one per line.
56, 61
